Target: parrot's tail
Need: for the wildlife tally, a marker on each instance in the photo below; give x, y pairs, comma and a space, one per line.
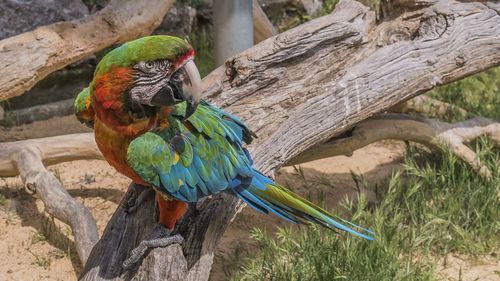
266, 196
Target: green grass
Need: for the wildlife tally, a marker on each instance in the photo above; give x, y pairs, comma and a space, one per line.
3, 200
56, 235
479, 94
428, 210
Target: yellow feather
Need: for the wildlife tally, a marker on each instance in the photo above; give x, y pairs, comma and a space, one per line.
176, 158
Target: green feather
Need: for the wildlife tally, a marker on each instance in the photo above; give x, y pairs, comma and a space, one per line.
150, 48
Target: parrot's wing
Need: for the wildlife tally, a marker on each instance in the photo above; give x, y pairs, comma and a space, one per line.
83, 108
194, 158
247, 134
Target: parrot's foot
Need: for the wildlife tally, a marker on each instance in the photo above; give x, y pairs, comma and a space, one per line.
156, 239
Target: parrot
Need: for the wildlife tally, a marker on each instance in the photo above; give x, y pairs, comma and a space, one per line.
151, 124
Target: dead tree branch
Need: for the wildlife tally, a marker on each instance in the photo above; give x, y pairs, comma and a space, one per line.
27, 58
435, 134
53, 150
38, 112
262, 27
28, 158
301, 88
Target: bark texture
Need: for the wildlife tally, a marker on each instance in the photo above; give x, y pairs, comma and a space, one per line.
38, 112
303, 87
27, 58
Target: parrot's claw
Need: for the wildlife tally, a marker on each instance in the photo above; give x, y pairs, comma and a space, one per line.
156, 239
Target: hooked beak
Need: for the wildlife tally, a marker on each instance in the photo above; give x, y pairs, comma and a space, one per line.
184, 85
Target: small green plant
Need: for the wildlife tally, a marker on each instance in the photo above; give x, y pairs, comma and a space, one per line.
57, 236
328, 6
3, 200
57, 174
42, 261
37, 237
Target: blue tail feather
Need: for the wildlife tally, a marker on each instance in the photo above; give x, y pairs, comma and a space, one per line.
290, 207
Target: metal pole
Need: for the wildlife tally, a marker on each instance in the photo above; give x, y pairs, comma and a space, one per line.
233, 26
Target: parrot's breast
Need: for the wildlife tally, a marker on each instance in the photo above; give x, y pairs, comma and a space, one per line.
113, 146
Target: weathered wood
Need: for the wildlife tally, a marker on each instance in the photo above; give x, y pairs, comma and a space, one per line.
25, 158
302, 87
262, 27
38, 112
434, 134
29, 57
53, 150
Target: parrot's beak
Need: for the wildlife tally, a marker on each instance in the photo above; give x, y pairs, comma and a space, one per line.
190, 86
185, 85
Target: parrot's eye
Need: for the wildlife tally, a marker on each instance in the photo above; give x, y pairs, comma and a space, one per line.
149, 67
177, 76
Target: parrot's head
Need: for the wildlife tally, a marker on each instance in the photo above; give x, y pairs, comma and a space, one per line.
137, 81
83, 108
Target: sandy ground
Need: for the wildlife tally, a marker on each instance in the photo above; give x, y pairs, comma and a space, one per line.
35, 247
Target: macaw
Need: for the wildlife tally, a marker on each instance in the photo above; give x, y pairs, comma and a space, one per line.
144, 104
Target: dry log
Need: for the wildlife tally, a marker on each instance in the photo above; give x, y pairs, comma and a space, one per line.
303, 87
27, 58
435, 134
28, 159
262, 27
53, 150
38, 112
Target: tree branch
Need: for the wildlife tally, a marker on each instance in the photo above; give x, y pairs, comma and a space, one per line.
53, 150
262, 27
311, 83
25, 158
27, 58
435, 134
299, 89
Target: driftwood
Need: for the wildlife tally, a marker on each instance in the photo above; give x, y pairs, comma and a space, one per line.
434, 134
29, 57
301, 88
262, 27
28, 158
53, 150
